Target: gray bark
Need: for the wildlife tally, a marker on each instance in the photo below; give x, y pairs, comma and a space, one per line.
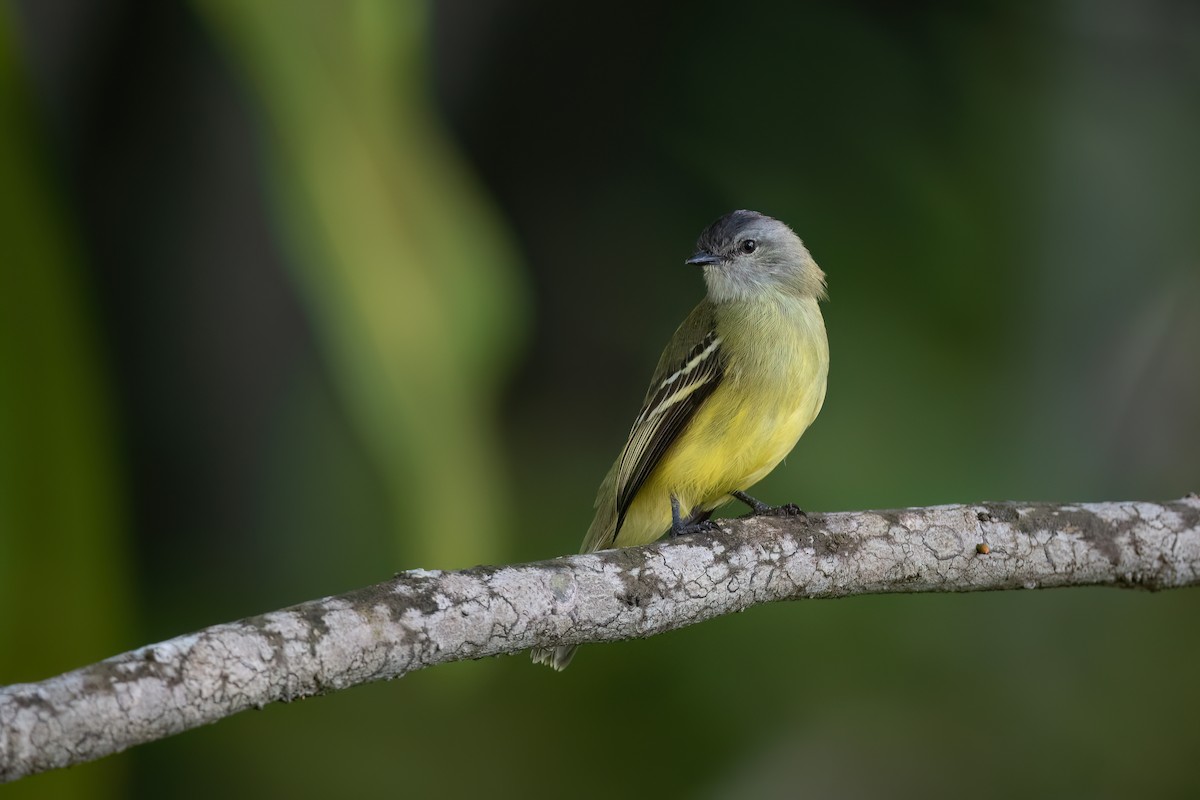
420, 618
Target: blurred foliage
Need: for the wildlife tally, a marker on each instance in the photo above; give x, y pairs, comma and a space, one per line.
407, 273
284, 224
64, 573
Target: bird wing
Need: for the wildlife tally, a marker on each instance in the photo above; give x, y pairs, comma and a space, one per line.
689, 371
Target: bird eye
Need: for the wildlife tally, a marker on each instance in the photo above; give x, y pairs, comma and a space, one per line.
748, 246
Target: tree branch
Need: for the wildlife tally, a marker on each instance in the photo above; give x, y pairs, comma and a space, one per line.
421, 618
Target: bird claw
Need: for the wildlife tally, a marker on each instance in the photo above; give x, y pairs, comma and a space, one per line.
687, 529
786, 510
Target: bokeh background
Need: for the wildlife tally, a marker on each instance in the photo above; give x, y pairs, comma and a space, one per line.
297, 295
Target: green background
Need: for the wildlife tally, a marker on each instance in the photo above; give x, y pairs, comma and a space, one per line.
297, 295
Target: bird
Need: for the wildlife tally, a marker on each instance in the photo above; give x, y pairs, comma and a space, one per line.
739, 382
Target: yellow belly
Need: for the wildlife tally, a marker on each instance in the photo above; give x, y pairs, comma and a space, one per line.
744, 429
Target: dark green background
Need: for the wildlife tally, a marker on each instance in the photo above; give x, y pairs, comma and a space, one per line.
294, 296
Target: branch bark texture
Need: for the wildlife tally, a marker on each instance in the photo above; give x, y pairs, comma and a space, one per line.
420, 618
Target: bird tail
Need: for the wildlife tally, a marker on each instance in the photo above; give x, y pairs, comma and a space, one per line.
556, 657
600, 535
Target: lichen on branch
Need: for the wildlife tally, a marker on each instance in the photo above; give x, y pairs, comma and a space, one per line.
420, 618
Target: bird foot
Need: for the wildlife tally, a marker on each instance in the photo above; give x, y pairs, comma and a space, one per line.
785, 510
760, 509
688, 528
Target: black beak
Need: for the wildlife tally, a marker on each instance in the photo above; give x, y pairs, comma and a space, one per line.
703, 258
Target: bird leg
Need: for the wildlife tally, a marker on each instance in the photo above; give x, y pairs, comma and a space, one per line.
697, 522
760, 509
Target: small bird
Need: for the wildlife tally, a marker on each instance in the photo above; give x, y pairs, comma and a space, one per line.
741, 379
